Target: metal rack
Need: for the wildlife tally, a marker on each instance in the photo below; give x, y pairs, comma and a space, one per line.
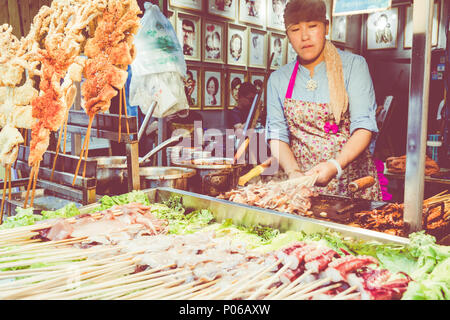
106, 126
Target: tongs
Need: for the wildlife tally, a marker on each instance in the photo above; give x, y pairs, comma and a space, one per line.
162, 146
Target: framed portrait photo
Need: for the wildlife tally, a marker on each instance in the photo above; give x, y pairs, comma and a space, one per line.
212, 89
234, 78
408, 32
382, 29
257, 79
189, 35
187, 4
291, 54
329, 7
223, 8
278, 48
252, 11
257, 48
339, 29
237, 45
214, 42
172, 19
275, 11
192, 87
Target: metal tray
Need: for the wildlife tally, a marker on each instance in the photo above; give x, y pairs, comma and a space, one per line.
248, 215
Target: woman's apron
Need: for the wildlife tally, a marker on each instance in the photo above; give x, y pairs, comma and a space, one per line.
316, 138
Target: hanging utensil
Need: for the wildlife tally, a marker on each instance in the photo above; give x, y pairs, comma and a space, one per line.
146, 119
161, 146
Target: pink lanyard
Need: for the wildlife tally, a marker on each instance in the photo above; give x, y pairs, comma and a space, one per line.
290, 88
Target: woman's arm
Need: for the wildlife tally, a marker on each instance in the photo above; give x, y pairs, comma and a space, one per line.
281, 151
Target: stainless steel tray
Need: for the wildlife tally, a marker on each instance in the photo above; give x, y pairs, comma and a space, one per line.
248, 215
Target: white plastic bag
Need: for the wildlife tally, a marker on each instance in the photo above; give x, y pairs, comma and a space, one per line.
167, 89
159, 68
157, 46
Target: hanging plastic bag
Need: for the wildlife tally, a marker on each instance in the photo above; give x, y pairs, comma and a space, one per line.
157, 46
159, 67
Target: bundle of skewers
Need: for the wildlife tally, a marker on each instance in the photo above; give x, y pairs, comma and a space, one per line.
389, 218
68, 40
121, 262
291, 196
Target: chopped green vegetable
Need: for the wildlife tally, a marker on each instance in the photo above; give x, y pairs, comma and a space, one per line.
133, 196
23, 217
67, 211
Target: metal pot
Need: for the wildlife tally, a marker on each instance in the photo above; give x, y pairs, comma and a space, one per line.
214, 179
172, 177
111, 175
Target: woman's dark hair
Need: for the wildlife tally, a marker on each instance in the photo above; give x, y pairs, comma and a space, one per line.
246, 89
216, 83
235, 82
304, 10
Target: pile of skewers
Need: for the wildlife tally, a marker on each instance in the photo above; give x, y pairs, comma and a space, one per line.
54, 52
120, 263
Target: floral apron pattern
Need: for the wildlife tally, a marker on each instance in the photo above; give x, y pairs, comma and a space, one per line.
312, 143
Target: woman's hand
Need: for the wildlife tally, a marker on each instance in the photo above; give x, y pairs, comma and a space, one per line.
294, 174
326, 171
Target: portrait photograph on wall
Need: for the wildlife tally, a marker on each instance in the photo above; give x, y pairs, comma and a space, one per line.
214, 41
408, 32
189, 34
187, 4
252, 11
257, 79
257, 48
235, 79
237, 45
277, 46
382, 29
212, 90
339, 29
223, 8
192, 87
291, 54
275, 11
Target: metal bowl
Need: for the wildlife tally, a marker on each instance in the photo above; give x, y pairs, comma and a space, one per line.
172, 177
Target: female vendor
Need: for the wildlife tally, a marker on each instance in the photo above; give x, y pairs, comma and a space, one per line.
321, 107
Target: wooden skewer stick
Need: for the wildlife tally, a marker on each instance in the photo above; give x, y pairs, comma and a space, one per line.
120, 116
86, 151
351, 296
126, 112
268, 282
30, 180
5, 182
252, 279
314, 292
56, 152
36, 174
307, 288
344, 293
86, 139
291, 285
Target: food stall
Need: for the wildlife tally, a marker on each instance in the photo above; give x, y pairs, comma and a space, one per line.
212, 234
